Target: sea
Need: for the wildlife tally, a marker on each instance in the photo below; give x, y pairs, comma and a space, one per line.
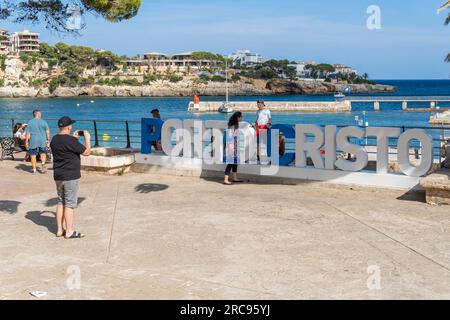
87, 109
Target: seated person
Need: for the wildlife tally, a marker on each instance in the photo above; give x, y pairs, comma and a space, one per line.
156, 115
19, 137
282, 144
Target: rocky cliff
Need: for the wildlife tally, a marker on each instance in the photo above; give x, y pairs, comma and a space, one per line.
321, 87
33, 80
189, 88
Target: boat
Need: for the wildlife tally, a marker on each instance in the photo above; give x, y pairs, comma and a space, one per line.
194, 105
226, 107
339, 96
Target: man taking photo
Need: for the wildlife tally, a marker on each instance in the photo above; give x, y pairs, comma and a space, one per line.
66, 151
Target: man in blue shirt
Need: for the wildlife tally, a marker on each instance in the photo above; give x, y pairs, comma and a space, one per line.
38, 140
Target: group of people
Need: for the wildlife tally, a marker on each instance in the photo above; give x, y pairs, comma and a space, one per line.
35, 139
262, 124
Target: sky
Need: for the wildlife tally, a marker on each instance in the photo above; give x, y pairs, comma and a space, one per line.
411, 44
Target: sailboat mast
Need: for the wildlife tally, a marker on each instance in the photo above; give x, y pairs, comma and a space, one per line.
226, 79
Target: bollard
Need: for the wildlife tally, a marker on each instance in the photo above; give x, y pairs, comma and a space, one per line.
376, 105
447, 154
405, 105
433, 104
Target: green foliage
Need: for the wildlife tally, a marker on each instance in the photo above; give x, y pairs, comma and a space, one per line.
2, 82
55, 13
117, 82
37, 83
54, 83
114, 11
235, 78
151, 78
175, 78
204, 78
3, 62
204, 55
217, 78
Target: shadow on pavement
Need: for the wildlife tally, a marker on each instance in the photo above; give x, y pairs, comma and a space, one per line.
54, 202
38, 218
413, 195
8, 206
150, 187
24, 167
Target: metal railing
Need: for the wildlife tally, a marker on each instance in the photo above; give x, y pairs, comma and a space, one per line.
104, 133
127, 134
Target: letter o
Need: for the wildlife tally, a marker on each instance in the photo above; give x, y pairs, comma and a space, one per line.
403, 153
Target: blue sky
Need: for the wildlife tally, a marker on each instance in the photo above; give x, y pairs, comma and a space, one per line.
412, 43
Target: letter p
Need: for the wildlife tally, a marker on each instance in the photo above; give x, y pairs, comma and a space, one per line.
151, 132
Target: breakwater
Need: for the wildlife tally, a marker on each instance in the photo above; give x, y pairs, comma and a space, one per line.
281, 106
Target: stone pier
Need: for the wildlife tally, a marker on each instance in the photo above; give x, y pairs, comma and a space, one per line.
282, 106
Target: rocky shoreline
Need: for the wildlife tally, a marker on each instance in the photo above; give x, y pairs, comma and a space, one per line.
190, 88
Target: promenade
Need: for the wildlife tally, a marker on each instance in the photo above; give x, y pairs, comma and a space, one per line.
165, 237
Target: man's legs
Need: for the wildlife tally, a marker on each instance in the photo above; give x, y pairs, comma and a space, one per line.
43, 161
71, 189
60, 208
33, 162
60, 220
68, 217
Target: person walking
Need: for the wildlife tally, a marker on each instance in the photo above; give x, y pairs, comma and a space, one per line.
232, 148
37, 140
263, 123
66, 151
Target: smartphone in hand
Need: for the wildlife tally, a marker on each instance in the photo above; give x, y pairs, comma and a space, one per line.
81, 133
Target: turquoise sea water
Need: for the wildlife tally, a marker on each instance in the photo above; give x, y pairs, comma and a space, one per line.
133, 109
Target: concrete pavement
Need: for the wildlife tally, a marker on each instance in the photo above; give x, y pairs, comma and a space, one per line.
153, 236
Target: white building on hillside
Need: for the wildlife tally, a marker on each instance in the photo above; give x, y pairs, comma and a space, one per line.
25, 41
246, 58
300, 66
5, 43
343, 69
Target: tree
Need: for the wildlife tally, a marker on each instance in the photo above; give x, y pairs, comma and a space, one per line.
447, 21
55, 13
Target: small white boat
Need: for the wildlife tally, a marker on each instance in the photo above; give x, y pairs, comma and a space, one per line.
226, 108
339, 96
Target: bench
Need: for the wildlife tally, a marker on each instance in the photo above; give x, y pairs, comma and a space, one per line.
437, 187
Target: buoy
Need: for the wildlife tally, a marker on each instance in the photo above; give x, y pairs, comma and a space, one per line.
92, 101
196, 100
106, 137
78, 104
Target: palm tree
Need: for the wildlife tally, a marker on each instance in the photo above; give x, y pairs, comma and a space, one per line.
447, 21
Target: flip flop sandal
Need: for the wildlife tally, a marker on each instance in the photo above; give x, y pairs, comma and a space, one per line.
76, 235
62, 235
227, 184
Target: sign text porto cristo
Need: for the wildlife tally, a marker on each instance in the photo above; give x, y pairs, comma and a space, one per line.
322, 145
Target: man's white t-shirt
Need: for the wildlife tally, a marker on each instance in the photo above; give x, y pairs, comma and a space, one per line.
264, 116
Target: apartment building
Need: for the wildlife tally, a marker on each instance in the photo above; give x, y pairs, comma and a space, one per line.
5, 43
25, 41
246, 58
180, 62
343, 69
